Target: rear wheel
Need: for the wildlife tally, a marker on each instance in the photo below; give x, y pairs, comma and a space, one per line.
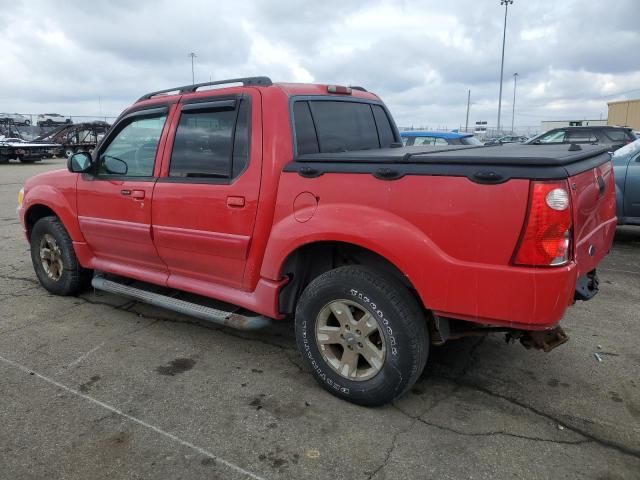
54, 259
363, 336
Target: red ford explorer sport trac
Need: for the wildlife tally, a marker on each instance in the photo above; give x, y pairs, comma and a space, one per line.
256, 201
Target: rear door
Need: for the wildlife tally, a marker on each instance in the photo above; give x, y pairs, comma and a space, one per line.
114, 201
205, 204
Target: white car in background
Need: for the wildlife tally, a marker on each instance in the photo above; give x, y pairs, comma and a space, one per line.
16, 118
49, 119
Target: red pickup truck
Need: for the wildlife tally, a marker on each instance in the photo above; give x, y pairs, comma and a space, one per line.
256, 201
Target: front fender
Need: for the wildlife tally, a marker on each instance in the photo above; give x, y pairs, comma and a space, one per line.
60, 200
380, 231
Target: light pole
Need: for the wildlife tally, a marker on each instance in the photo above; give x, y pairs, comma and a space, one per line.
513, 113
193, 76
466, 123
506, 4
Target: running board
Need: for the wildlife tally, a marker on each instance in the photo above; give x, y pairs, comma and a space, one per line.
209, 314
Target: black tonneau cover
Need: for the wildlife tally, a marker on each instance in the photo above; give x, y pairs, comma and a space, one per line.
508, 154
481, 164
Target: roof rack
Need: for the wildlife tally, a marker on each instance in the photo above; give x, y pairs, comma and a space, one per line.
357, 87
246, 81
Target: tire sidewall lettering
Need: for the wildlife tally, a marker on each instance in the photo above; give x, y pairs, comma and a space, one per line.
380, 317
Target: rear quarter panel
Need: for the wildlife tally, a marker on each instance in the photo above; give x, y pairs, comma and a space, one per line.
453, 238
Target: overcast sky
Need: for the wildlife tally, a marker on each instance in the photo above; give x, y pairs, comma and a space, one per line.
421, 57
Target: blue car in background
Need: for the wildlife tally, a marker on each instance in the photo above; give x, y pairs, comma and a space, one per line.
420, 137
626, 167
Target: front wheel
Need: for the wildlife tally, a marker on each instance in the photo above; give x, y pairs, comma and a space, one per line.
54, 259
363, 336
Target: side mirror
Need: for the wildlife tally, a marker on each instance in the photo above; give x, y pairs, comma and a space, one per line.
114, 166
79, 162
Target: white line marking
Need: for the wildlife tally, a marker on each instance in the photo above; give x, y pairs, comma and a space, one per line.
617, 270
85, 355
200, 450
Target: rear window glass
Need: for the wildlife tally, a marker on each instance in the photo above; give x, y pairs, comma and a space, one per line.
327, 126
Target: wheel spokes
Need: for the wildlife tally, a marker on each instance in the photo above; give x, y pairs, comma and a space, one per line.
342, 313
349, 363
367, 325
372, 354
329, 335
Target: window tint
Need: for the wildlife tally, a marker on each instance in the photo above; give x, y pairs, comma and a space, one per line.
470, 141
385, 131
617, 135
424, 141
305, 131
211, 143
555, 136
580, 136
344, 126
135, 146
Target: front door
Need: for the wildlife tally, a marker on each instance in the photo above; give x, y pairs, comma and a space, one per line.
114, 201
632, 189
205, 202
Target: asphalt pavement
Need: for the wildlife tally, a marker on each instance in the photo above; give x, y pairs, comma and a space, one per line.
100, 387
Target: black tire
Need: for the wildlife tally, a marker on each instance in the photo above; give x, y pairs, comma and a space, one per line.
74, 277
27, 123
400, 319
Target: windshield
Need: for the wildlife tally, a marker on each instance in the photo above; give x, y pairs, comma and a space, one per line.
629, 149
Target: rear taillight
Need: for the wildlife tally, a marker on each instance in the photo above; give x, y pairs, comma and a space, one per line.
546, 236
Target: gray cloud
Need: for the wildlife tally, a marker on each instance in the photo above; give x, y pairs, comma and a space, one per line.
420, 56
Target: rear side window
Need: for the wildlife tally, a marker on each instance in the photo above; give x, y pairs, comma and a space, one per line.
581, 136
305, 131
617, 135
337, 126
211, 143
555, 136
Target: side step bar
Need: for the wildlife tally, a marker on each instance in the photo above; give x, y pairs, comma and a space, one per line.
209, 314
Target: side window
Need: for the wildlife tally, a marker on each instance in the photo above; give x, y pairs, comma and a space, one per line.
441, 141
425, 141
555, 136
133, 150
580, 136
617, 135
211, 143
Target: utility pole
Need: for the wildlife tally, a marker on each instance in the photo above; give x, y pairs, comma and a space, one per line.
513, 113
506, 4
193, 76
466, 123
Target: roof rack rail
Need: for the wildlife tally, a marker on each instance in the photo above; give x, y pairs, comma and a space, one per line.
246, 81
357, 87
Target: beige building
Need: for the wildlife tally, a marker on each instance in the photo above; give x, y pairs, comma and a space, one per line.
625, 113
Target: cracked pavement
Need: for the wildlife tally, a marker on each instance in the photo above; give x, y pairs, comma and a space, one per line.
124, 390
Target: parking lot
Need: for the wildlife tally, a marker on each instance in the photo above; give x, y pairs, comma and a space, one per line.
98, 386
